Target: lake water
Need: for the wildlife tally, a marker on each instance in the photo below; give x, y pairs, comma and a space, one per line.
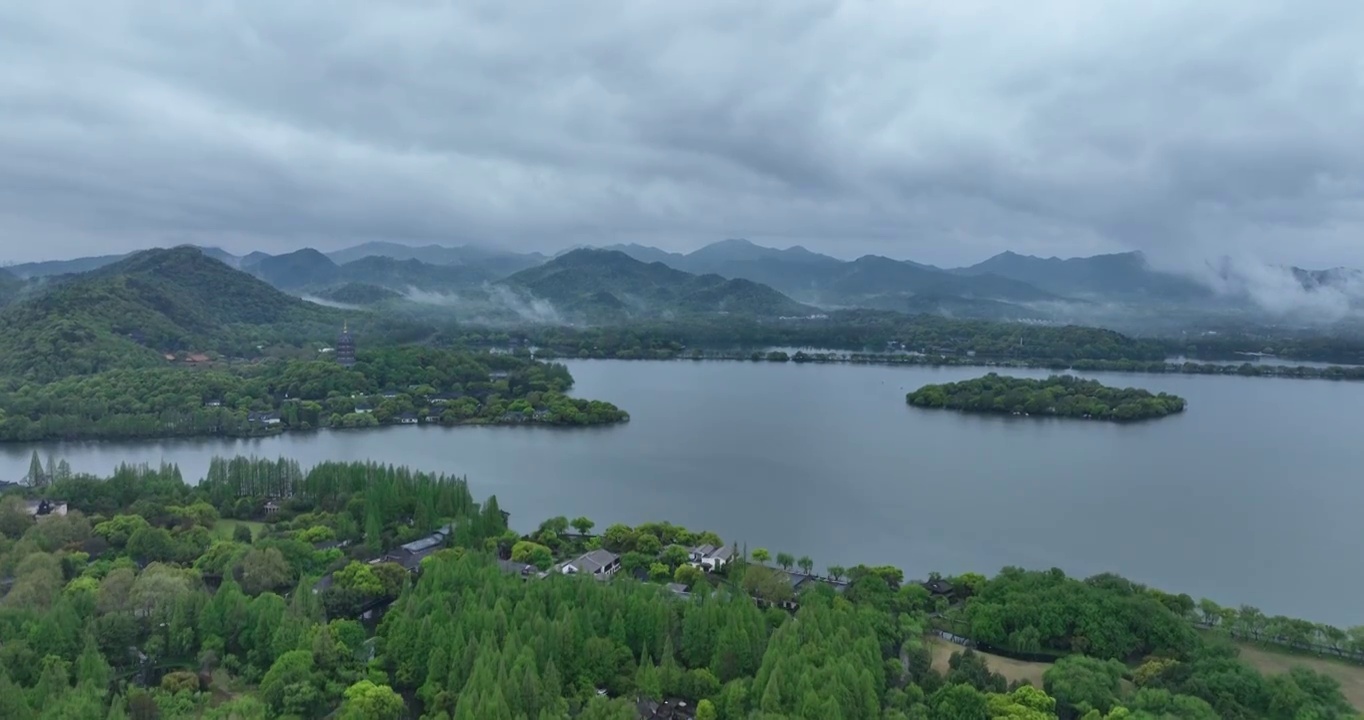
1251, 496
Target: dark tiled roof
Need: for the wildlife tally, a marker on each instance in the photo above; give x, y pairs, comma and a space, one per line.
671, 709
678, 589
797, 579
594, 561
938, 587
515, 568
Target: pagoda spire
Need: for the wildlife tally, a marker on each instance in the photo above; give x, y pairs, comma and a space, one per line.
345, 345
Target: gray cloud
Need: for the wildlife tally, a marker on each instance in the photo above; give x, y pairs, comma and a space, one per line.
941, 133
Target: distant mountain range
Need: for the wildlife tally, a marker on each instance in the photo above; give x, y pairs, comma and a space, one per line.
1123, 276
870, 281
737, 276
609, 284
497, 262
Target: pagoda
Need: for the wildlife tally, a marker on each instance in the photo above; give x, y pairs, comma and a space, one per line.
345, 347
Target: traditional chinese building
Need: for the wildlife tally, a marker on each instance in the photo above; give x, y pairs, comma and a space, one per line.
345, 347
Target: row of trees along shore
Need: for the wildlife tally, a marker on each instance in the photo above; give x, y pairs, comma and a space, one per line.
936, 339
157, 598
955, 359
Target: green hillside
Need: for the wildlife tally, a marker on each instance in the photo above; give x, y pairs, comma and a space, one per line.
358, 293
10, 287
129, 313
870, 281
301, 268
607, 284
1113, 277
400, 275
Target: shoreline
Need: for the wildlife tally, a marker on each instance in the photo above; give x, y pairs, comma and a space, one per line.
1045, 416
1079, 399
1336, 373
537, 424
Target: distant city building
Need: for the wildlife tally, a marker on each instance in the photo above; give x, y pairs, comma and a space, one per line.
345, 347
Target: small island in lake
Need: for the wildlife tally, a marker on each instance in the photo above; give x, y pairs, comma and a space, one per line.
1058, 395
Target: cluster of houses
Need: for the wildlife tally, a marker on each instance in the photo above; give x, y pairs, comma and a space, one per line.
190, 358
603, 564
671, 709
430, 415
600, 564
410, 555
711, 557
267, 419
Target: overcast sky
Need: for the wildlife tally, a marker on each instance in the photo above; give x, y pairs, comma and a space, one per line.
943, 132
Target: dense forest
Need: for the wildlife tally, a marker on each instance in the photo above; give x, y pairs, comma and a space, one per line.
852, 330
268, 591
390, 385
131, 313
1058, 395
892, 338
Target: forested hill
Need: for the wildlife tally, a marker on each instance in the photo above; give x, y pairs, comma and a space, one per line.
128, 313
395, 385
969, 341
1058, 395
610, 285
240, 598
10, 285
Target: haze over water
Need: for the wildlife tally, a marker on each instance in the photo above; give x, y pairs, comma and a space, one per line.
1252, 496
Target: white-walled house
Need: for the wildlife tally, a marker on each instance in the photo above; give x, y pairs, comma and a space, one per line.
600, 564
710, 557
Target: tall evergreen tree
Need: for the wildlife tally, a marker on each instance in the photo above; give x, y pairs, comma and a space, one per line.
36, 477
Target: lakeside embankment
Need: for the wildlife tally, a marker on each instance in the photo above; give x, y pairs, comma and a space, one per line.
1295, 372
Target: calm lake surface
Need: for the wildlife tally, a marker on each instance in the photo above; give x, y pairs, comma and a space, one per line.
1252, 496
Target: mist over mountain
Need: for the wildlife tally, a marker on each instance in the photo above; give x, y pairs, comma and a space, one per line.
358, 294
47, 268
401, 275
1123, 276
494, 261
1122, 290
1304, 296
870, 281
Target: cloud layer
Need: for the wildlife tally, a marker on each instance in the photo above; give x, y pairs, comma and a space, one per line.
941, 132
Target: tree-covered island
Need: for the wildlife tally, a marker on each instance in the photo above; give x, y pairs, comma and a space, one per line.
1058, 395
392, 385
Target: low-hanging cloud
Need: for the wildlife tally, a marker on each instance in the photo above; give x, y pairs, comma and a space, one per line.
494, 303
937, 132
1282, 291
330, 303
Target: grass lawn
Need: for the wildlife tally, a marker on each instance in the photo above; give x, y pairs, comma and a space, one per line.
223, 529
1273, 661
1011, 669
